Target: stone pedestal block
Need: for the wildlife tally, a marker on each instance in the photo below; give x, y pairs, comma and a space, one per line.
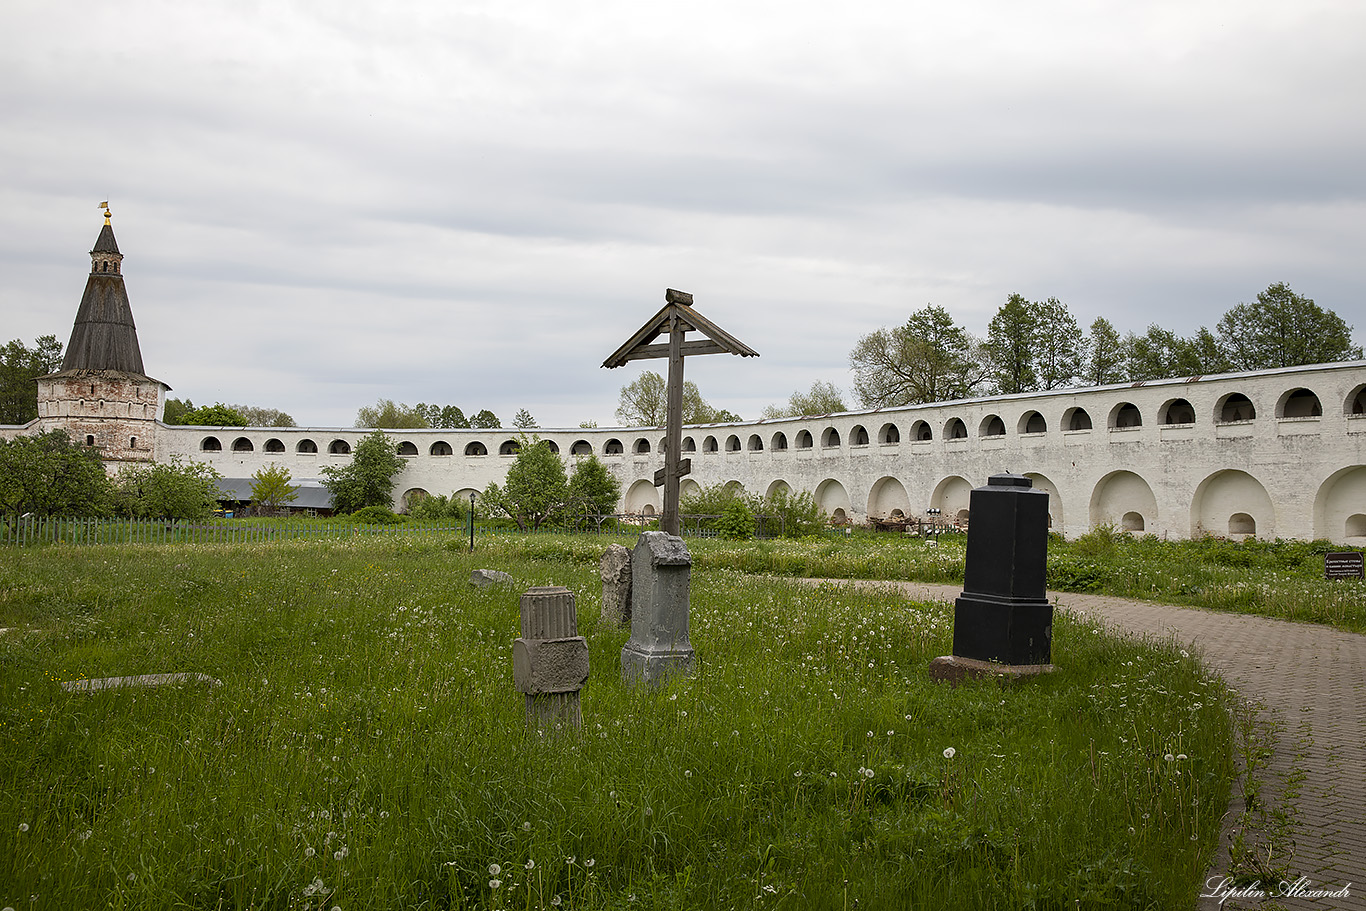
1004, 615
615, 571
661, 570
550, 660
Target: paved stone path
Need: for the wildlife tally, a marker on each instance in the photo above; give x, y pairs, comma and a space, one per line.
1310, 682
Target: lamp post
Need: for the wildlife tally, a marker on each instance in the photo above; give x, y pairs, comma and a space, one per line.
471, 523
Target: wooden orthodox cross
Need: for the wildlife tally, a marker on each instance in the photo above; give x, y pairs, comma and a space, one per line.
677, 318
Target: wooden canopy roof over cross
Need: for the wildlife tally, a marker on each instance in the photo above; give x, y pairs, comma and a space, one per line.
679, 306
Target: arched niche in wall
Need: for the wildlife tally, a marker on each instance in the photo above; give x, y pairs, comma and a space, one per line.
641, 446
831, 496
732, 443
339, 447
440, 448
509, 448
476, 448
1233, 408
886, 496
274, 445
1299, 403
1032, 422
710, 445
779, 442
922, 432
689, 444
641, 494
1225, 494
776, 488
1076, 419
952, 496
242, 444
407, 448
1340, 502
992, 426
613, 447
756, 443
889, 434
1118, 494
858, 435
1124, 416
581, 448
1176, 411
306, 447
803, 439
955, 429
210, 444
830, 439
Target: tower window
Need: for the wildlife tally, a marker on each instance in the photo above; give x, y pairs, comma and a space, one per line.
132, 442
89, 439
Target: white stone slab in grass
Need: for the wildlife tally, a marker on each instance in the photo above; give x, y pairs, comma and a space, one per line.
110, 683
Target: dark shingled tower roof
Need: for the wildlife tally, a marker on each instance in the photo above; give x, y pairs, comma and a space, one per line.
104, 336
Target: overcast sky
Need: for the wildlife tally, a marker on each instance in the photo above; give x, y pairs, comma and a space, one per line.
325, 203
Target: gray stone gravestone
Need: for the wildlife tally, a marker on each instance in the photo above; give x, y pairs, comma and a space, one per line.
550, 660
615, 571
661, 570
1003, 621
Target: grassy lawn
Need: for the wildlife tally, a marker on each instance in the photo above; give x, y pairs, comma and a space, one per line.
367, 750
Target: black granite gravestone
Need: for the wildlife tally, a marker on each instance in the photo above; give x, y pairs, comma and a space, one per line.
1003, 615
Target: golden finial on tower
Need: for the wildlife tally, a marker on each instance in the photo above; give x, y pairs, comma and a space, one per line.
105, 206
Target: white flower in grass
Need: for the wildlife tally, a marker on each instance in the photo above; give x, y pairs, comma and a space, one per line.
589, 862
526, 827
687, 773
555, 902
531, 864
495, 883
309, 852
1180, 755
1169, 757
494, 869
950, 752
23, 827
797, 774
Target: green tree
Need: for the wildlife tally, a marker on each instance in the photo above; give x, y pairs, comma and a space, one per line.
1284, 329
217, 415
175, 411
485, 420
169, 490
822, 398
48, 475
1103, 361
593, 488
446, 417
535, 488
368, 479
1205, 354
644, 402
20, 367
1057, 344
258, 416
523, 420
930, 359
737, 521
390, 415
270, 488
1011, 340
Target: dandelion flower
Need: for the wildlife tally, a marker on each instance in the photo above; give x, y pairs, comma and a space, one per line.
1180, 755
797, 774
23, 827
495, 883
531, 864
950, 753
555, 902
589, 862
309, 852
1169, 757
687, 773
526, 827
494, 869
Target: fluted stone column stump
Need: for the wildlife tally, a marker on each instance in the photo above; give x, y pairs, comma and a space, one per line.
550, 660
1003, 621
661, 571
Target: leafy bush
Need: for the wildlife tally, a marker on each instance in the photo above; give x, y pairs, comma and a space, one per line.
801, 516
377, 515
737, 522
48, 475
171, 490
368, 479
438, 506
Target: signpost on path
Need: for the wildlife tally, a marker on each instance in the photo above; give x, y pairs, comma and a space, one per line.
677, 318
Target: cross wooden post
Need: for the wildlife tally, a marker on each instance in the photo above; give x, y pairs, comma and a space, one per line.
677, 317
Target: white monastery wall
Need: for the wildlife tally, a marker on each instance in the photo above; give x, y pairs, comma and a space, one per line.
1279, 453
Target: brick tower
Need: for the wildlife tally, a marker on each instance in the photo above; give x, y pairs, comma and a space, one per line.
101, 396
